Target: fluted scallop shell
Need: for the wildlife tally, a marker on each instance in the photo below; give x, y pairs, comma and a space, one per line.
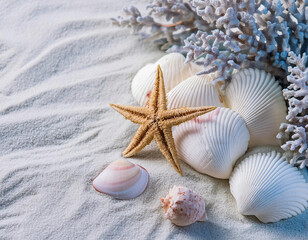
174, 69
196, 91
122, 179
212, 142
183, 206
257, 97
266, 186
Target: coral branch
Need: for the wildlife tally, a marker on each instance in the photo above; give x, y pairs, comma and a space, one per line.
168, 22
252, 33
297, 96
235, 33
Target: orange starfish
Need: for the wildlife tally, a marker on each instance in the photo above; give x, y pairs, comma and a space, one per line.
156, 122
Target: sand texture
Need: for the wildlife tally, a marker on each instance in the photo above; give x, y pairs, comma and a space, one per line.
61, 64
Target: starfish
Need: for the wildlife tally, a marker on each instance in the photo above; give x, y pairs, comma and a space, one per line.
156, 122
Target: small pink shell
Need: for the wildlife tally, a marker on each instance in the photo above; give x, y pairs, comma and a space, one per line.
122, 179
183, 207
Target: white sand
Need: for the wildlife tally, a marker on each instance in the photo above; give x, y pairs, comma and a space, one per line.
61, 64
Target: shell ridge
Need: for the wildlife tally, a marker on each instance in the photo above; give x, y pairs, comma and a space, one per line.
277, 196
221, 139
257, 97
274, 164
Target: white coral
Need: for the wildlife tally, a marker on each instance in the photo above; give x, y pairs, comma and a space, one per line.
297, 96
168, 22
251, 33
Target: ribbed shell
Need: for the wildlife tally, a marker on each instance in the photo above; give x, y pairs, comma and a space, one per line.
196, 91
257, 97
213, 142
174, 69
122, 179
268, 187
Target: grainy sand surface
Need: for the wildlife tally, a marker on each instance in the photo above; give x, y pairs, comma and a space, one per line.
61, 64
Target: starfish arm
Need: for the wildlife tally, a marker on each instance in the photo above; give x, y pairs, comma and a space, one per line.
135, 114
143, 137
163, 138
158, 98
179, 115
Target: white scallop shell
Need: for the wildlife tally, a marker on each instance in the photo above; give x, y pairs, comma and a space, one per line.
174, 69
266, 186
257, 97
183, 206
196, 91
122, 179
212, 142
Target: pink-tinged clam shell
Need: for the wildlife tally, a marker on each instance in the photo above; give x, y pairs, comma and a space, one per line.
183, 206
122, 179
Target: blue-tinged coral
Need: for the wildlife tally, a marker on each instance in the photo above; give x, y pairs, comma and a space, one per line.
168, 22
251, 33
297, 96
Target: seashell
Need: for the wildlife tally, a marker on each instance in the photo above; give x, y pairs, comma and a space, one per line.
266, 186
213, 142
196, 91
174, 69
122, 179
183, 206
257, 97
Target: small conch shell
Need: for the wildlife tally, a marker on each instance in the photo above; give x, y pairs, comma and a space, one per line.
183, 207
174, 69
266, 186
122, 179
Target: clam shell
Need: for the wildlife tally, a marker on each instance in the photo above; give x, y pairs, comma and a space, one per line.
183, 206
122, 179
257, 97
266, 186
174, 69
196, 91
213, 142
